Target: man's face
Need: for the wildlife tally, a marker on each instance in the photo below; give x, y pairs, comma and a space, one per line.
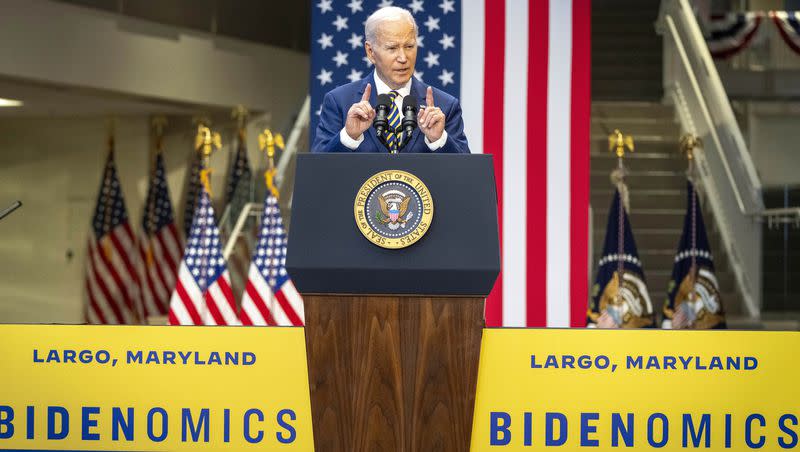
395, 52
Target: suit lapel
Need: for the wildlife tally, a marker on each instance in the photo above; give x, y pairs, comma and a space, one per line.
373, 99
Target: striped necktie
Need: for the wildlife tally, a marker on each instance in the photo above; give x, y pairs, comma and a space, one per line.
393, 136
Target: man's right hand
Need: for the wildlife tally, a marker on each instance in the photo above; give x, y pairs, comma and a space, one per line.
360, 116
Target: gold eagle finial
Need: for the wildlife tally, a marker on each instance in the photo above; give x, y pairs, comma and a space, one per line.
267, 141
617, 142
688, 143
205, 142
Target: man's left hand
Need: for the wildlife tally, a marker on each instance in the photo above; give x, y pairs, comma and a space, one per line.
431, 119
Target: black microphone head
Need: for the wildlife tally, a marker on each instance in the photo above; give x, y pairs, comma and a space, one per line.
410, 102
384, 101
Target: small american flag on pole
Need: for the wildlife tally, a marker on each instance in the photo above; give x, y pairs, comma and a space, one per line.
203, 294
159, 246
270, 298
112, 285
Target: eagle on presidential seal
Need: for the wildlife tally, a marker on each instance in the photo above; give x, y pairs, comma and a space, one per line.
394, 209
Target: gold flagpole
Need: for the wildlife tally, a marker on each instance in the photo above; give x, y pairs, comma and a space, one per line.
617, 143
205, 142
267, 141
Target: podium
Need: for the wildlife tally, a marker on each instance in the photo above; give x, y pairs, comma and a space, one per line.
393, 336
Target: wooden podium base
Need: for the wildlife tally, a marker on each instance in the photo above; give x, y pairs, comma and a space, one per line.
392, 373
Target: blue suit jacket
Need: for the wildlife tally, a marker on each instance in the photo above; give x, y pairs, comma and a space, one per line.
338, 101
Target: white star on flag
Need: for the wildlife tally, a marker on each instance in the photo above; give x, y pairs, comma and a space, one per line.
385, 3
419, 41
446, 77
355, 75
447, 6
432, 59
340, 23
355, 6
447, 41
419, 75
340, 58
325, 41
325, 77
355, 41
325, 6
432, 24
416, 6
366, 60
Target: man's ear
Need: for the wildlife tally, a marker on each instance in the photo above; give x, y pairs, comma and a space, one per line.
370, 52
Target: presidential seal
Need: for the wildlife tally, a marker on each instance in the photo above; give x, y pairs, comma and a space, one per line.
393, 209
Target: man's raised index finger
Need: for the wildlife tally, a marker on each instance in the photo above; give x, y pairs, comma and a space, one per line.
367, 92
429, 97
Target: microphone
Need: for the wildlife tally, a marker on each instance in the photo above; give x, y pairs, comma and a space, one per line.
409, 117
382, 109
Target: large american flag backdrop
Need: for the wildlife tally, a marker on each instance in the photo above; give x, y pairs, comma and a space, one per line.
522, 72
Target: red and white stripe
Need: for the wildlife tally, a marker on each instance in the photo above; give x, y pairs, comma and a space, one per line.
526, 99
158, 276
112, 285
261, 307
190, 306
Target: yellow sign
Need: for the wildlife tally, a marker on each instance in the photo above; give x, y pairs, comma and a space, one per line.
393, 209
153, 388
637, 390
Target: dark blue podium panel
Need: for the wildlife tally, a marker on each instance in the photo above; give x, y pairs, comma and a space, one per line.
459, 254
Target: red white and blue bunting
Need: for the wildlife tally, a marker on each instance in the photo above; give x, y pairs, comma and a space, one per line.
788, 23
731, 33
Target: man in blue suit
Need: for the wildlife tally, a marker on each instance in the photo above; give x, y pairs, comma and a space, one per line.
347, 113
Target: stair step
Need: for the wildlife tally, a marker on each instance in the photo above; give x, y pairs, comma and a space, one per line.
604, 126
632, 109
640, 180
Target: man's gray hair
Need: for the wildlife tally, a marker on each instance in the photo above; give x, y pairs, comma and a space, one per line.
384, 14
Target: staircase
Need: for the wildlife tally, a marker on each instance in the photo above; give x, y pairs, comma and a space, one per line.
657, 184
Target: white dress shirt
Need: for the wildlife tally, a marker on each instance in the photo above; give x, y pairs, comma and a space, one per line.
383, 88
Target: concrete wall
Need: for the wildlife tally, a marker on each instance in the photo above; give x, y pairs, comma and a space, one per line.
54, 167
774, 142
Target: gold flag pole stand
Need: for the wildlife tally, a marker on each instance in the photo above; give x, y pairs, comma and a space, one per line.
267, 141
688, 144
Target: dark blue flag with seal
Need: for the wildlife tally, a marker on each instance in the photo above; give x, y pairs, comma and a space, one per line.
627, 302
693, 298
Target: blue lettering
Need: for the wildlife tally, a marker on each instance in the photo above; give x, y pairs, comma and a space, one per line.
36, 358
587, 429
632, 362
703, 429
664, 430
698, 364
750, 363
499, 434
197, 359
685, 361
169, 357
69, 356
551, 362
533, 361
652, 363
6, 419
292, 434
568, 362
260, 416
734, 363
118, 422
231, 359
30, 422
248, 358
550, 418
164, 424
194, 430
52, 357
134, 357
102, 356
584, 362
51, 422
748, 431
226, 425
85, 356
528, 440
716, 363
669, 362
87, 422
618, 428
728, 431
185, 356
792, 443
602, 362
214, 358
152, 358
